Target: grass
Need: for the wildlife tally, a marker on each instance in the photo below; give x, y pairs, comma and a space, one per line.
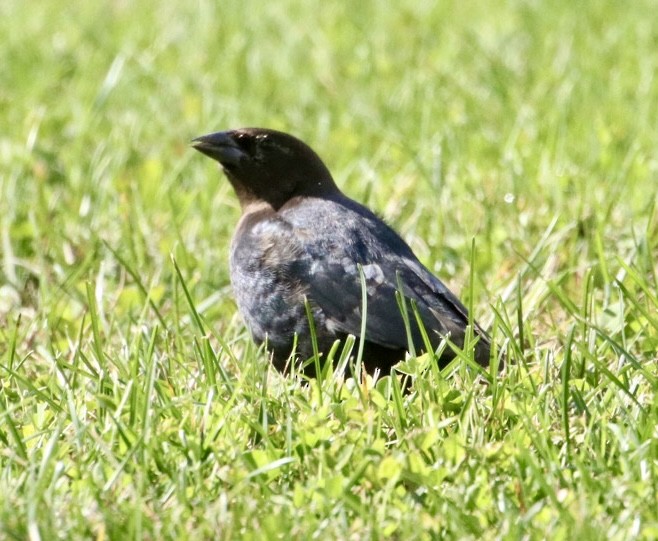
512, 143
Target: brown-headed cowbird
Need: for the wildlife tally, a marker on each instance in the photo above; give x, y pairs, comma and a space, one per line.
300, 238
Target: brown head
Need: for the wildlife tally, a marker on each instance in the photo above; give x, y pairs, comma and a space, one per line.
267, 165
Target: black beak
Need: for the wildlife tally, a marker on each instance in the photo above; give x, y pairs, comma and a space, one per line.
219, 146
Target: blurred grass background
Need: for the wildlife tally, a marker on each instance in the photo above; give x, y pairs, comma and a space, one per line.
527, 126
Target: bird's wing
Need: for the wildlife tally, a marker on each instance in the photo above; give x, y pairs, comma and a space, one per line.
336, 285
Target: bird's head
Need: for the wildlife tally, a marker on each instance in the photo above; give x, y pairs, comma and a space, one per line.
267, 165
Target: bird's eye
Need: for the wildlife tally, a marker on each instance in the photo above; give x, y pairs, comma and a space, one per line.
265, 142
246, 143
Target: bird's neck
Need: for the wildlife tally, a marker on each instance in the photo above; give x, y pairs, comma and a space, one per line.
277, 198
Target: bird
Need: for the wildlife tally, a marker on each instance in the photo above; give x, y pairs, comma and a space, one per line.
303, 248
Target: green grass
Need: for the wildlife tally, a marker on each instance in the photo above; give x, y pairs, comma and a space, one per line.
133, 404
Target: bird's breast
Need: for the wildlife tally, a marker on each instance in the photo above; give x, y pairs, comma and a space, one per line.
269, 299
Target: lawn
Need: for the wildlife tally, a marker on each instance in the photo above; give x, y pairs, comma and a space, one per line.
514, 144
